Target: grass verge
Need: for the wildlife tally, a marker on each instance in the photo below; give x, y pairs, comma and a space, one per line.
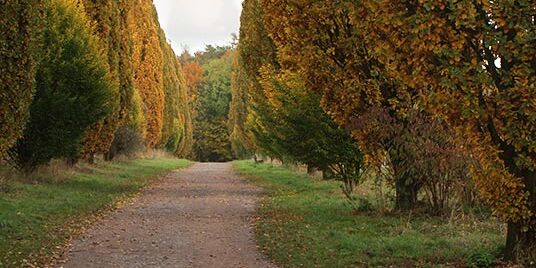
36, 220
307, 223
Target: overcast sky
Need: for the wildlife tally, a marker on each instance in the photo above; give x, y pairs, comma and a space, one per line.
196, 23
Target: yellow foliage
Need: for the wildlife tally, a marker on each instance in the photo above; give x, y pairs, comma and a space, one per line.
148, 66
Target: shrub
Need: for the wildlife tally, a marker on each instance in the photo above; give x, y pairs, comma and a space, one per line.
480, 258
127, 141
422, 153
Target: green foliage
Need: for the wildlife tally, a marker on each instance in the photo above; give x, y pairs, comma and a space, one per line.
286, 120
241, 139
104, 15
212, 106
175, 131
304, 133
215, 89
20, 22
212, 141
73, 88
480, 258
255, 50
38, 219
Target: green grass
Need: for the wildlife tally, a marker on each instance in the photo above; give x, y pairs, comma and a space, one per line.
304, 222
36, 220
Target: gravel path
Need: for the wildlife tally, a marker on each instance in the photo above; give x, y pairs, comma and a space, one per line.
198, 217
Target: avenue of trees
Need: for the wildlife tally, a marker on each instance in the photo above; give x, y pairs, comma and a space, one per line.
437, 98
86, 78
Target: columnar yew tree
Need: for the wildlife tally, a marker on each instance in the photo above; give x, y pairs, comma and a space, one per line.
255, 50
73, 88
148, 66
241, 139
106, 18
19, 35
192, 73
130, 115
475, 61
176, 112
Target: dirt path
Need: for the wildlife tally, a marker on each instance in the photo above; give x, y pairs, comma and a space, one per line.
199, 217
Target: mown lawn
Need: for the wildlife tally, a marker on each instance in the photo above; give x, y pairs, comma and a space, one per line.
36, 220
303, 222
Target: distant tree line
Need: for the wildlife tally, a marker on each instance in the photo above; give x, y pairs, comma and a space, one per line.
209, 74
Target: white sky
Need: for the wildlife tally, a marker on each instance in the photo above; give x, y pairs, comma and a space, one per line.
196, 23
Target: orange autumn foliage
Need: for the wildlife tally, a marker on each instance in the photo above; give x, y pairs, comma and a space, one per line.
148, 66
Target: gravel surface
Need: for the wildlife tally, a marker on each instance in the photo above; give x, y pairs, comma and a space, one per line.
198, 217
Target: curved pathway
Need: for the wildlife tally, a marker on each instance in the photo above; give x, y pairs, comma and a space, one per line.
198, 217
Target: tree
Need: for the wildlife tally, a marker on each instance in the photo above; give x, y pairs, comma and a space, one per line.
148, 65
318, 39
19, 39
211, 134
477, 69
212, 141
255, 50
104, 14
177, 110
469, 62
73, 88
306, 134
193, 74
286, 119
132, 125
242, 142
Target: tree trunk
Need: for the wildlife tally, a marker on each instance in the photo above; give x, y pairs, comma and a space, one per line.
520, 241
407, 188
311, 170
406, 193
327, 174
